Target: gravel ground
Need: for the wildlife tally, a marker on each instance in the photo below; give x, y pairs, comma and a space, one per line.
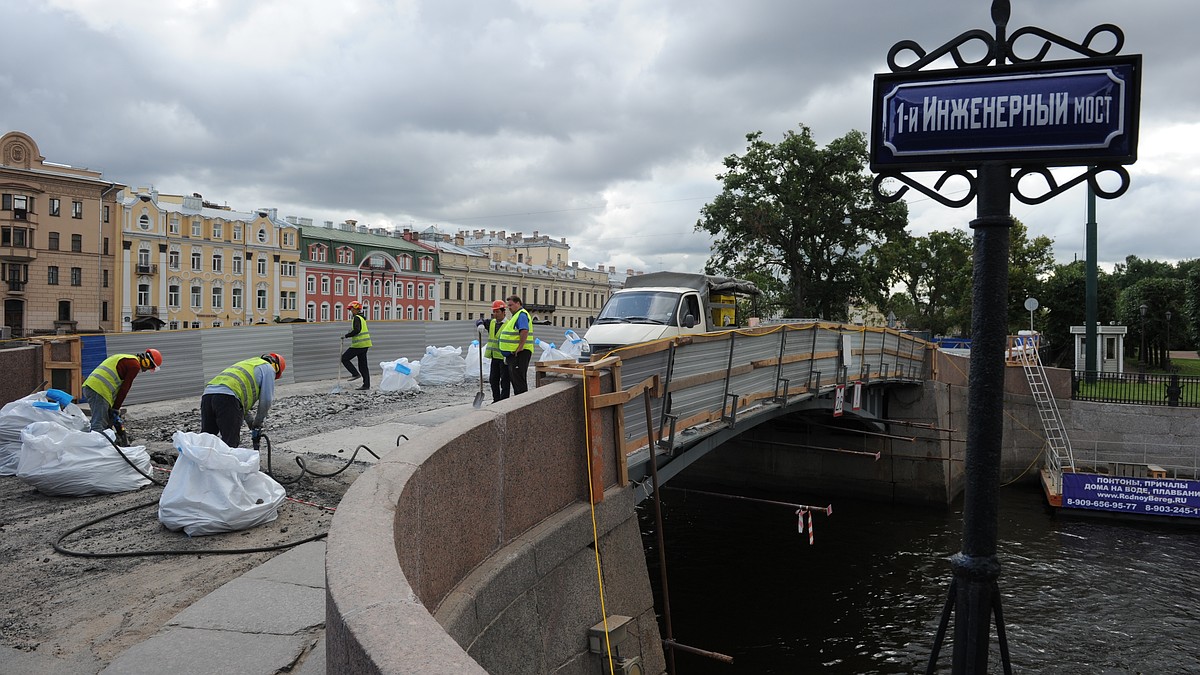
67, 614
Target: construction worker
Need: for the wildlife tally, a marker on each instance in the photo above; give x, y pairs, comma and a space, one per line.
516, 344
229, 396
106, 387
498, 373
360, 341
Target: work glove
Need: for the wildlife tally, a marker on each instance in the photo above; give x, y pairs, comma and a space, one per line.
114, 417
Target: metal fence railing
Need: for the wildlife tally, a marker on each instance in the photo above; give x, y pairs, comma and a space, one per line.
1136, 388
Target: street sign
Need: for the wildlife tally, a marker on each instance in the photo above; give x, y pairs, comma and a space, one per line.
1074, 112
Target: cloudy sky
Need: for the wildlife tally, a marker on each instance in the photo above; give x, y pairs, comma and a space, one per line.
603, 121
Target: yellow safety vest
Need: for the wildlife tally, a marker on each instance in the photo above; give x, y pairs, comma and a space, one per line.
363, 338
493, 344
240, 378
510, 337
104, 380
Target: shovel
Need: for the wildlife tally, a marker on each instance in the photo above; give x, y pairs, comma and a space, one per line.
478, 403
337, 388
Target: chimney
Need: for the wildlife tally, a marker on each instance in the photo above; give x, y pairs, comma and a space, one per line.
535, 234
306, 222
628, 272
460, 240
292, 220
329, 224
575, 264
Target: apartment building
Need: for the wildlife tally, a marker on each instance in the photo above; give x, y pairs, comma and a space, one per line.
479, 267
57, 243
188, 263
389, 272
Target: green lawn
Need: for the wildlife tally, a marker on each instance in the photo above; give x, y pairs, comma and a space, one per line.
1187, 366
1129, 389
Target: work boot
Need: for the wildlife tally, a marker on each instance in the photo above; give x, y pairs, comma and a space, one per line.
364, 387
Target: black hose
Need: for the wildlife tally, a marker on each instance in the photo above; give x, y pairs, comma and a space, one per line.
130, 461
303, 468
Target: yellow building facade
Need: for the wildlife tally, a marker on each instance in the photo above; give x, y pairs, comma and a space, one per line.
188, 263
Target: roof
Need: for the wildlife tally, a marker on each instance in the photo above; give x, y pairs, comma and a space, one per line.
361, 239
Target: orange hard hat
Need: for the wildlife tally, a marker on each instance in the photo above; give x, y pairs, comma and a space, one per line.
150, 359
497, 304
277, 361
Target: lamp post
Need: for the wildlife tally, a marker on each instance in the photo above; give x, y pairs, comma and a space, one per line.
1142, 352
1168, 355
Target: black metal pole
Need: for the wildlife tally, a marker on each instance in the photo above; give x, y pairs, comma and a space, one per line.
976, 567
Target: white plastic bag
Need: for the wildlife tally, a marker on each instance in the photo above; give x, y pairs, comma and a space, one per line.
442, 366
215, 488
396, 379
16, 415
572, 344
550, 352
60, 461
475, 369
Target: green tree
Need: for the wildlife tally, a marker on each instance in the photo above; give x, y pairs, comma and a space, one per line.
1062, 303
807, 213
935, 273
1029, 262
1159, 295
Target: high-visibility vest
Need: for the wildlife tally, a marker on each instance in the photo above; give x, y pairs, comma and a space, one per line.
363, 338
104, 380
493, 344
240, 378
510, 337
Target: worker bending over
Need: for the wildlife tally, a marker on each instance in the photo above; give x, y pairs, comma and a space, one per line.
228, 398
105, 389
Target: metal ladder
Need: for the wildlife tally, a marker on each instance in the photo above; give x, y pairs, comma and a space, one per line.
1060, 454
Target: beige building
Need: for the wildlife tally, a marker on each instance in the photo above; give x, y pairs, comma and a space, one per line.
189, 263
479, 267
57, 243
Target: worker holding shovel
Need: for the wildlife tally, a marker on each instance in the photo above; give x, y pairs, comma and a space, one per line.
498, 373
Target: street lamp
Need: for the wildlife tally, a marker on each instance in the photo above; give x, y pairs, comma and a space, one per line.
1168, 357
1142, 353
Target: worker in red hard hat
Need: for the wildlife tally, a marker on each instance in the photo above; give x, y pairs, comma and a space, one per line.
360, 342
105, 389
489, 329
230, 396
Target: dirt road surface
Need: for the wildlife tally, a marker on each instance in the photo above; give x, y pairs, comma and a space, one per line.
69, 614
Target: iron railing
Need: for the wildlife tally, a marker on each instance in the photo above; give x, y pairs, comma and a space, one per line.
1136, 388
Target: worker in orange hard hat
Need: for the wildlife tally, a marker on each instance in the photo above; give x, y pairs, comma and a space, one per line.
489, 330
360, 342
105, 389
230, 395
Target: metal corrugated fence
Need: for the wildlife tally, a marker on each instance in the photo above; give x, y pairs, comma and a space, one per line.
312, 351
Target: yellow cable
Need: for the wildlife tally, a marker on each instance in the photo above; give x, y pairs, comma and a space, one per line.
587, 444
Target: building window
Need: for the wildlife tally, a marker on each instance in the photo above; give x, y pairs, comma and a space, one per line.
76, 276
289, 239
218, 230
196, 299
237, 264
310, 311
52, 241
218, 297
366, 287
410, 292
173, 325
236, 300
337, 286
77, 243
173, 259
173, 227
195, 260
143, 256
447, 295
104, 311
262, 266
143, 295
426, 264
287, 268
64, 310
325, 285
237, 231
262, 235
399, 290
457, 290
76, 209
106, 246
260, 300
55, 206
324, 311
106, 213
310, 285
144, 222
471, 292
196, 227
409, 311
405, 262
337, 312
104, 277
173, 296
218, 262
52, 275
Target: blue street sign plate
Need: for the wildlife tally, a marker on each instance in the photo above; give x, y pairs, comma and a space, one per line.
1069, 113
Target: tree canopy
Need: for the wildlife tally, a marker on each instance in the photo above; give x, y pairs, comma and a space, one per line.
805, 211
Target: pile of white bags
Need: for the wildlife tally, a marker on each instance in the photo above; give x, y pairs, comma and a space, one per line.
572, 345
550, 352
442, 366
68, 462
400, 375
17, 415
215, 488
475, 367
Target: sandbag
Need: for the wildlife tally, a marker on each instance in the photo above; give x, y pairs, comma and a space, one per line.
215, 488
550, 352
400, 375
442, 366
475, 369
67, 462
37, 407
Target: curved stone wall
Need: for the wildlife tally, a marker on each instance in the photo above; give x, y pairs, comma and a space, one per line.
486, 527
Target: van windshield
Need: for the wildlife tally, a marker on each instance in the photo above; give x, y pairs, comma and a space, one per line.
641, 307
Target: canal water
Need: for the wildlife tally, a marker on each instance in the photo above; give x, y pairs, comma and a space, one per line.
1079, 596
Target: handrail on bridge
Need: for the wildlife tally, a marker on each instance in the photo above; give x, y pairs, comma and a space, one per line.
709, 379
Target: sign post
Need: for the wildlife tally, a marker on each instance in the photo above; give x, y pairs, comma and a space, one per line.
998, 113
